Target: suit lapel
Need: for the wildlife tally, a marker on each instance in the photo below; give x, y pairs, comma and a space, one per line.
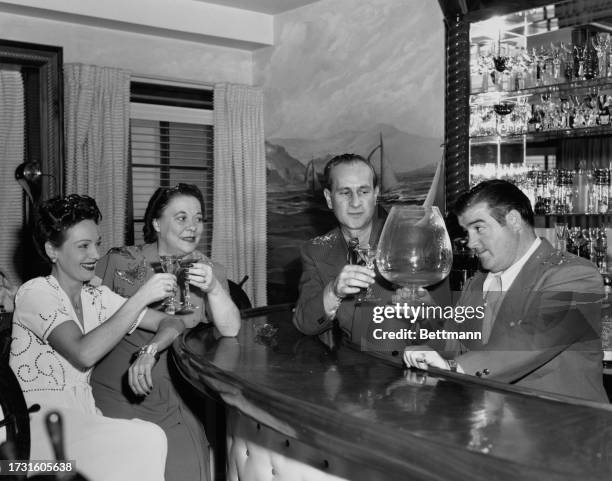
515, 299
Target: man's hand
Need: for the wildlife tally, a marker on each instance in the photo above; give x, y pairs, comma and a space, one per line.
352, 279
422, 357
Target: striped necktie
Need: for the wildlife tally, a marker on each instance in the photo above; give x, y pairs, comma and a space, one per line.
492, 300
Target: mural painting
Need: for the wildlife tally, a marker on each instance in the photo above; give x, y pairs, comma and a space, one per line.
346, 76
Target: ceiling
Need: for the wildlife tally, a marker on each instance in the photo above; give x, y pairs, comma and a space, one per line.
264, 6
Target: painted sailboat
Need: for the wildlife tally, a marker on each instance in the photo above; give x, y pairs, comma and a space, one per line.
311, 179
387, 179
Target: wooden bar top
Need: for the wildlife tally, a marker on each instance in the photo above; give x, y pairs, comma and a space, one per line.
429, 426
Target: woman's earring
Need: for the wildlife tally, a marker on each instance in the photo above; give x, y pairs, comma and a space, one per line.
53, 260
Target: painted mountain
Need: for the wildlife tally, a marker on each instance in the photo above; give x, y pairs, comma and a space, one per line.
404, 151
282, 169
297, 211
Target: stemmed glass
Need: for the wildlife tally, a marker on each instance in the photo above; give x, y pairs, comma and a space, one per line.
561, 233
133, 273
414, 250
367, 256
170, 265
182, 276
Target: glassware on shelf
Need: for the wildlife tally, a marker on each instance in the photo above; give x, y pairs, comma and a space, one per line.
601, 249
606, 319
579, 60
414, 250
600, 191
561, 235
581, 188
574, 236
601, 43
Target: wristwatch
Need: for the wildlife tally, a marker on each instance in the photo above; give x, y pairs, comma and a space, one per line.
149, 349
452, 365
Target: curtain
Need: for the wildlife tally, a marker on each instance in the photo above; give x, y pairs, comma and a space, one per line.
97, 116
239, 213
11, 155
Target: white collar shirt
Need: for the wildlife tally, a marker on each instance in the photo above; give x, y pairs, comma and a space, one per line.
507, 276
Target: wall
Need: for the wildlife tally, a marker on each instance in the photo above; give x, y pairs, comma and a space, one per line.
343, 74
142, 54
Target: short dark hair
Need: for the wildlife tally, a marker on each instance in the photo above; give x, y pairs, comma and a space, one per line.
346, 159
501, 196
55, 216
158, 202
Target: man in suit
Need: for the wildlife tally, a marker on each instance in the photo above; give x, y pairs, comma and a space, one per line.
541, 323
329, 284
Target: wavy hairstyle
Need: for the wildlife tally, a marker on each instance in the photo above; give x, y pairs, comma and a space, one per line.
55, 216
158, 202
501, 196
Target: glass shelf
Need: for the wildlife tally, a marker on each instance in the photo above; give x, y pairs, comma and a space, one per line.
544, 135
489, 98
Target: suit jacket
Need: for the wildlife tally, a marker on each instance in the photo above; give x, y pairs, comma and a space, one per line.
546, 334
322, 260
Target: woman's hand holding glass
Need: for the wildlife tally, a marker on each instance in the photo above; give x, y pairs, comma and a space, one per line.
158, 287
202, 276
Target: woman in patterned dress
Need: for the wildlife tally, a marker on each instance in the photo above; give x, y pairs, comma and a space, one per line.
62, 326
173, 226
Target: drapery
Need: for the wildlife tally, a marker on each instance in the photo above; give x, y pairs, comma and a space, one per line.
239, 213
97, 116
11, 155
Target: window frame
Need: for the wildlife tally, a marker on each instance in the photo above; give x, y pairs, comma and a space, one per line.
170, 106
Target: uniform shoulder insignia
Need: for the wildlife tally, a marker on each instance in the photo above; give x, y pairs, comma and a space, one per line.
325, 239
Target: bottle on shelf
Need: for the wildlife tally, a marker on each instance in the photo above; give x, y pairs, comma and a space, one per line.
581, 188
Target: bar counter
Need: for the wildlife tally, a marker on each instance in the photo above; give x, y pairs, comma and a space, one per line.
297, 410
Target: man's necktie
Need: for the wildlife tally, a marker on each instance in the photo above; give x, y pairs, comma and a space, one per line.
492, 300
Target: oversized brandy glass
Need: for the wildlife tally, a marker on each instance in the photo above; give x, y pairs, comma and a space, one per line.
414, 250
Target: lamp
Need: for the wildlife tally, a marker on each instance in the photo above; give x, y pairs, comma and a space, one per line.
29, 171
28, 175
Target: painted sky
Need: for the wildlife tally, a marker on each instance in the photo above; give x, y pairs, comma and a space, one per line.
348, 64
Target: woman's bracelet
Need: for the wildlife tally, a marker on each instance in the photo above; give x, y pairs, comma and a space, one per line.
149, 349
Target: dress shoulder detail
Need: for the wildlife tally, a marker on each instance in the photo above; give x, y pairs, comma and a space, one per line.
129, 252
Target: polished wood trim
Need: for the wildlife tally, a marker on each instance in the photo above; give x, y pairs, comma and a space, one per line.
403, 423
47, 63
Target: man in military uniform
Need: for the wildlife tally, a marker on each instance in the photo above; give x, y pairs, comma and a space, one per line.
330, 285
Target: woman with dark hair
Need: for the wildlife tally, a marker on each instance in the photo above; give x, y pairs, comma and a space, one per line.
173, 225
62, 326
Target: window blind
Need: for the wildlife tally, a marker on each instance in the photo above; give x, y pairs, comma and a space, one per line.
165, 151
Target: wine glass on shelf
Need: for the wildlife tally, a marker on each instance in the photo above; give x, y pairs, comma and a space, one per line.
183, 278
561, 231
170, 265
414, 250
367, 257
